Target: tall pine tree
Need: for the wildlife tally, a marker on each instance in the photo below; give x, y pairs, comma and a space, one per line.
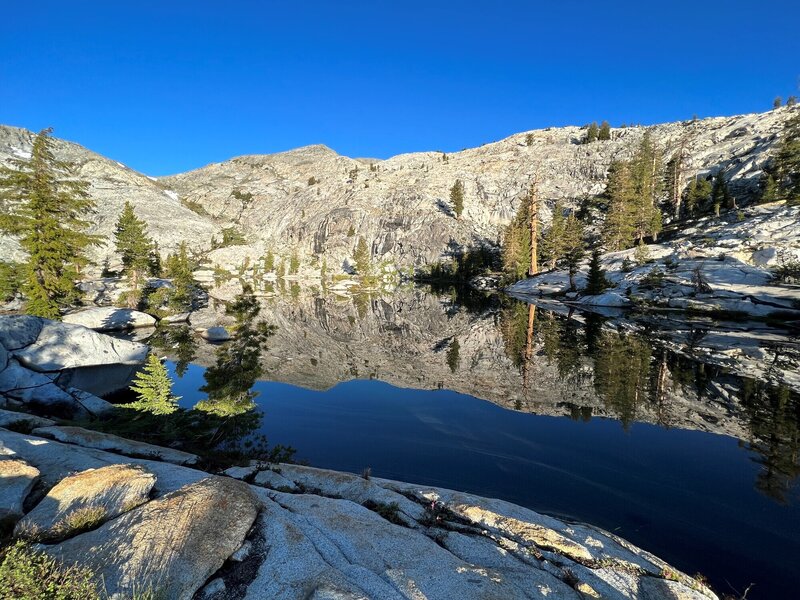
47, 210
457, 198
553, 239
179, 269
135, 249
574, 246
786, 164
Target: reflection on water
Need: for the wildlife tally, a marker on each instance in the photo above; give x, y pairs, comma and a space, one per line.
682, 436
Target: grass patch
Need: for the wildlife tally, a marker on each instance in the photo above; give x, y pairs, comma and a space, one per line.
79, 520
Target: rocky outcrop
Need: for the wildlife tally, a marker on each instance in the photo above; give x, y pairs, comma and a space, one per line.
86, 500
113, 443
342, 536
717, 266
57, 368
110, 319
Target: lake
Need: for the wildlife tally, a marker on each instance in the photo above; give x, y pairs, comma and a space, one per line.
682, 436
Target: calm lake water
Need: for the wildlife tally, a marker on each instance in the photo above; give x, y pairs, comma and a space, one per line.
655, 435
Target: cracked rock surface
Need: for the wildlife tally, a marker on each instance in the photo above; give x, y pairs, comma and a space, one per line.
337, 535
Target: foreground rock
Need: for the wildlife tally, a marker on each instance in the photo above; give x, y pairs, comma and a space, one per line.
342, 536
114, 443
171, 545
85, 500
109, 318
16, 481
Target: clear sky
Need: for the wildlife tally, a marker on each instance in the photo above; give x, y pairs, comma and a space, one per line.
166, 86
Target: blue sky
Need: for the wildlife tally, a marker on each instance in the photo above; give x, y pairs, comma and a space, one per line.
173, 85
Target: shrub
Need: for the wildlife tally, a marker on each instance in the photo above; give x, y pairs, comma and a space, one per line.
390, 511
28, 574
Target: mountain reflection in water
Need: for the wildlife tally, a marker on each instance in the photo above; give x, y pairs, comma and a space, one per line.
681, 436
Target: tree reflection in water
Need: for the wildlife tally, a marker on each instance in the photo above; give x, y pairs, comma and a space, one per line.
630, 372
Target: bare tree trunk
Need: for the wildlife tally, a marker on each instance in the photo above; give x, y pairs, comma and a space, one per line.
528, 347
533, 198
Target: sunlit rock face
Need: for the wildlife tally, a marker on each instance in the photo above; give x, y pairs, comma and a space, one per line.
316, 204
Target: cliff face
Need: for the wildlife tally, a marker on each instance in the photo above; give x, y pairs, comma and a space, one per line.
316, 203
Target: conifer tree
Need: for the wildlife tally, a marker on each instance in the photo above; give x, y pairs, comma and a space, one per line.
697, 196
179, 269
453, 355
592, 133
720, 196
769, 188
786, 164
294, 264
457, 198
605, 131
517, 244
646, 170
361, 257
153, 388
596, 281
269, 262
48, 210
553, 239
618, 229
777, 102
134, 247
574, 246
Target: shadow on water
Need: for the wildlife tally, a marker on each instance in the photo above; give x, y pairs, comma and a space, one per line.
681, 436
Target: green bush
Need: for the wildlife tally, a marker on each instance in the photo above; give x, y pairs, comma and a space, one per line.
26, 574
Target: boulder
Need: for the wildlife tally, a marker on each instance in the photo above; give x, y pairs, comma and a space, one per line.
18, 331
170, 545
766, 257
88, 498
215, 334
107, 441
16, 481
61, 346
177, 318
109, 318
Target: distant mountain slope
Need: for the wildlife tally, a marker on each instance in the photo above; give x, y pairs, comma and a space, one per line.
316, 203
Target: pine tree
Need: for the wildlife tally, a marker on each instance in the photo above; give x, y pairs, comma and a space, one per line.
179, 269
294, 264
786, 164
457, 198
269, 262
361, 257
516, 249
769, 188
697, 196
646, 170
574, 246
591, 133
777, 102
453, 355
153, 388
605, 131
553, 239
48, 209
720, 196
791, 101
618, 229
134, 247
596, 281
